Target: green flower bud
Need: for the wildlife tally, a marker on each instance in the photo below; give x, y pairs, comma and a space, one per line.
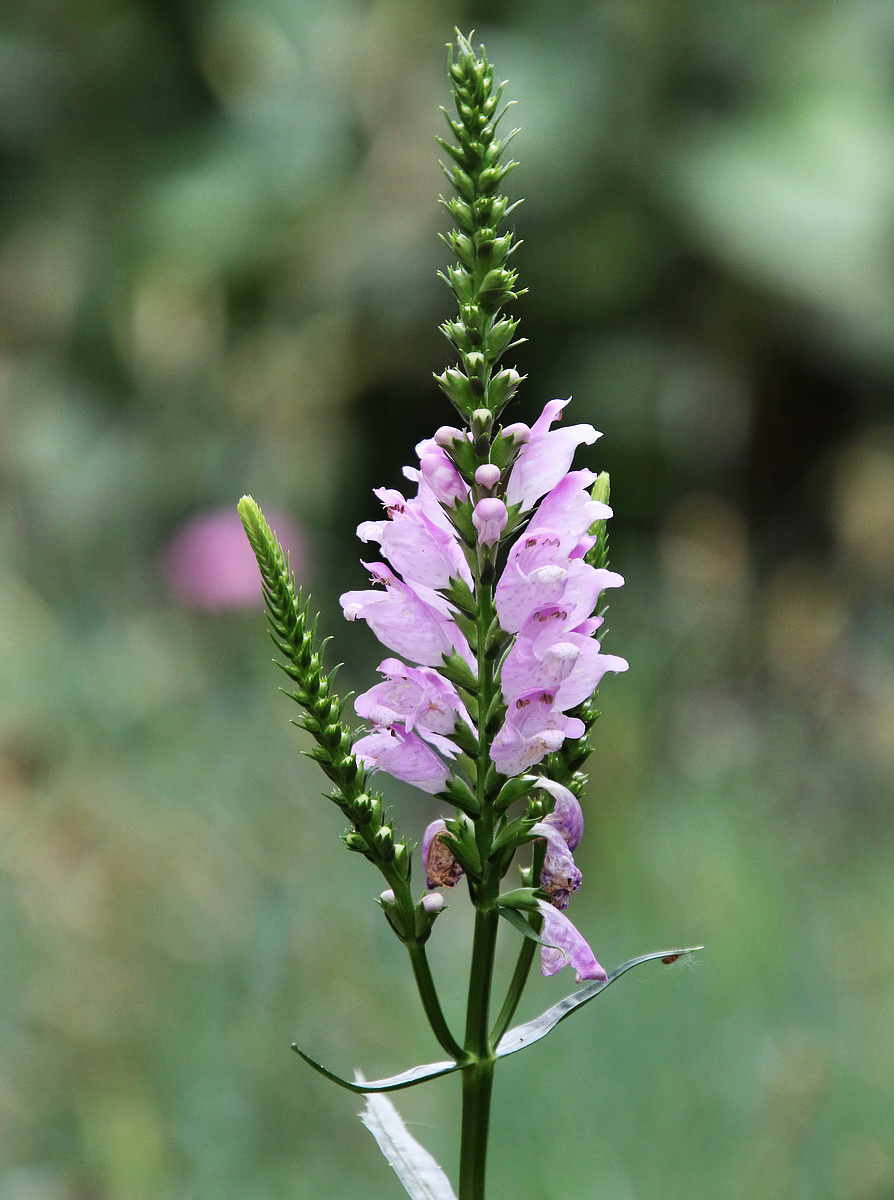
456, 387
503, 387
482, 423
383, 840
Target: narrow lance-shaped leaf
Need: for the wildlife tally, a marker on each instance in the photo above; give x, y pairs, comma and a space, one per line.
516, 1039
394, 1083
532, 1031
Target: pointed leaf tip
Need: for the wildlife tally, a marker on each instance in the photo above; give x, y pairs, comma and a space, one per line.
532, 1031
393, 1083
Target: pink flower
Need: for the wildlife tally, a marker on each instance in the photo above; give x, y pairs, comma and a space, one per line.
567, 947
420, 550
489, 518
442, 476
538, 574
416, 697
532, 730
546, 456
412, 621
566, 816
568, 512
405, 756
487, 475
547, 656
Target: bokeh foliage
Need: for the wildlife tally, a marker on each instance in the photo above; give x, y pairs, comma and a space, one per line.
218, 273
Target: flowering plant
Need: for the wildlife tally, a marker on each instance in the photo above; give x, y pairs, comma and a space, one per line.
487, 584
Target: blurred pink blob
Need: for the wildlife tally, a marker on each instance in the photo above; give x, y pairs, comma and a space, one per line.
210, 565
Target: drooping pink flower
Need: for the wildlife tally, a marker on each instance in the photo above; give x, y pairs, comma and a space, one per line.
567, 816
560, 875
405, 756
546, 456
567, 947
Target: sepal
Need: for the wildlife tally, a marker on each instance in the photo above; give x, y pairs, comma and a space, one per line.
457, 671
426, 913
394, 914
521, 899
464, 846
514, 834
461, 595
458, 793
514, 789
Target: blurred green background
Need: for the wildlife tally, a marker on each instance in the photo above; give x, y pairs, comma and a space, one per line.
217, 274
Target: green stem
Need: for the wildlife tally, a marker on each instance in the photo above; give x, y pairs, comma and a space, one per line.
523, 963
478, 1077
477, 1087
430, 1002
516, 988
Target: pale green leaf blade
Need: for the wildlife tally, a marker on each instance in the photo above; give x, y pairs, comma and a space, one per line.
532, 1031
394, 1083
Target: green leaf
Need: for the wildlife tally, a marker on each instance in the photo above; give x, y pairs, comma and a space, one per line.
521, 898
395, 1083
517, 921
510, 1043
532, 1031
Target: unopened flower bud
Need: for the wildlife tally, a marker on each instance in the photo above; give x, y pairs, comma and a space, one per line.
441, 868
519, 432
487, 475
388, 897
433, 903
503, 386
443, 478
447, 435
481, 423
456, 387
475, 363
489, 518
